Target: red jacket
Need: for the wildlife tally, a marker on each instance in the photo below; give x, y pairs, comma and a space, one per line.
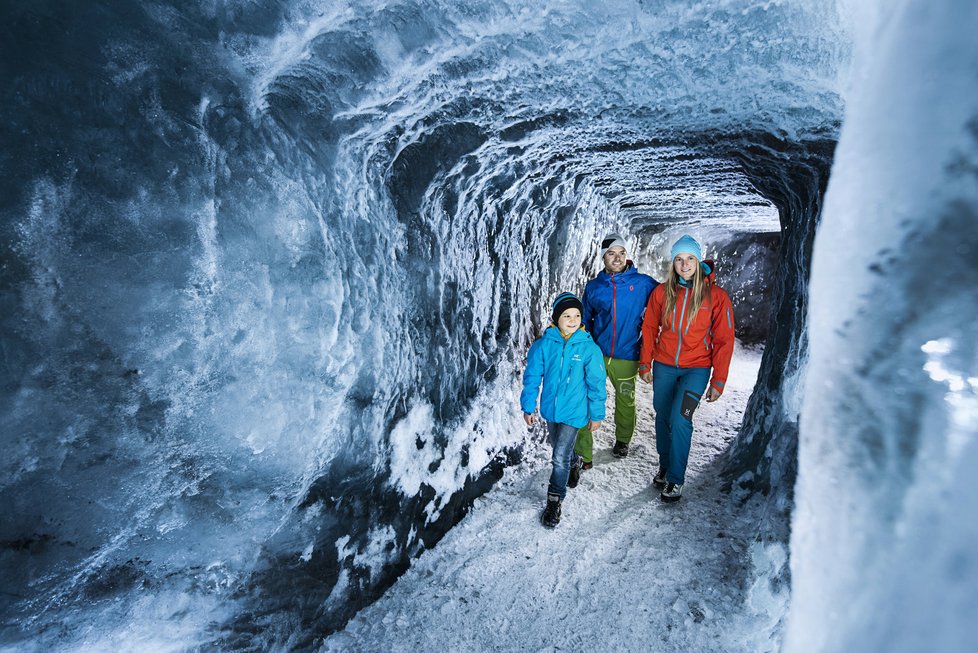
706, 342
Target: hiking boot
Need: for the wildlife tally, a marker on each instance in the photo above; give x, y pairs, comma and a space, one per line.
551, 514
586, 466
620, 450
673, 492
659, 480
575, 473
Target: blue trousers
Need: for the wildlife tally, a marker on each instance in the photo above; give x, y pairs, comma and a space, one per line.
562, 439
676, 393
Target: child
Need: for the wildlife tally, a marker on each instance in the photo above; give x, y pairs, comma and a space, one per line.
571, 368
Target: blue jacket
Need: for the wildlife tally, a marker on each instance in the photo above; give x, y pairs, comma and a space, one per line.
572, 372
613, 308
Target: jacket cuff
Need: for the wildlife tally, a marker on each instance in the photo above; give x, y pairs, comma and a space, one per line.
717, 385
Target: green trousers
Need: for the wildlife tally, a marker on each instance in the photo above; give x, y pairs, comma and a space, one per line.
623, 375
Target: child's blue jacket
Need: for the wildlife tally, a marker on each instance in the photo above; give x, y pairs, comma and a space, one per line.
572, 372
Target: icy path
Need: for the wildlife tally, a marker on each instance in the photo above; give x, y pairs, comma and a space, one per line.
622, 571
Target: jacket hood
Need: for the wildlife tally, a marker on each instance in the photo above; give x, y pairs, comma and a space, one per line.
709, 268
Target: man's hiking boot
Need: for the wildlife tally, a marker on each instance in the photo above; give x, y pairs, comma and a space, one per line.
672, 493
551, 514
620, 450
575, 473
659, 480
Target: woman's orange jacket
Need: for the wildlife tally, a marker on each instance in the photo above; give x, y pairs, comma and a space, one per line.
706, 341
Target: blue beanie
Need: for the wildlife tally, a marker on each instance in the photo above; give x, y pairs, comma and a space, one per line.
687, 245
564, 301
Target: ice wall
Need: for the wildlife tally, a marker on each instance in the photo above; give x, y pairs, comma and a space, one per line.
884, 554
761, 463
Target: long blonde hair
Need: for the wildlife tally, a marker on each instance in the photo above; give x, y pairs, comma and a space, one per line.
701, 290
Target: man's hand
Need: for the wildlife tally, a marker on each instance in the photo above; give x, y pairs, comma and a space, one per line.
712, 394
646, 376
593, 426
529, 419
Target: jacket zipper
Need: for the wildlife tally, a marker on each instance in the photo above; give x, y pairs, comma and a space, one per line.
563, 349
614, 313
679, 331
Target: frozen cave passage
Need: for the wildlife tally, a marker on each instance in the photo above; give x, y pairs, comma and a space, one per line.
270, 272
752, 199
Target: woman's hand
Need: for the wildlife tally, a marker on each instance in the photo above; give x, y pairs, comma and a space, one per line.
646, 376
712, 394
529, 419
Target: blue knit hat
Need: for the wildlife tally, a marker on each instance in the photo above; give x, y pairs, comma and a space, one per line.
687, 245
564, 301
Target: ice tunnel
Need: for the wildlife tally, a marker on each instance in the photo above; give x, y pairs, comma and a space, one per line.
269, 272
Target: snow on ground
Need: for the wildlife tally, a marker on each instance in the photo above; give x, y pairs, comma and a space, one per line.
621, 572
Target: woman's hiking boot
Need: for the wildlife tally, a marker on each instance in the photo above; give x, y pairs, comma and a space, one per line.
659, 480
673, 492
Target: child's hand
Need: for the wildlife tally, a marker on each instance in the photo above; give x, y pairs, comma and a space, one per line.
646, 376
529, 419
594, 426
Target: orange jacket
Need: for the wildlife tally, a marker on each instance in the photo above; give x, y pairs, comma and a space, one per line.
707, 341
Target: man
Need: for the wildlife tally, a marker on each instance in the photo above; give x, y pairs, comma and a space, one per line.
614, 303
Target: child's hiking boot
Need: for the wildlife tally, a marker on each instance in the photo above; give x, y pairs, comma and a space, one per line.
551, 514
659, 480
586, 466
620, 450
673, 492
575, 473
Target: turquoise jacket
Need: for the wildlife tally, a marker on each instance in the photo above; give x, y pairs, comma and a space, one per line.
573, 376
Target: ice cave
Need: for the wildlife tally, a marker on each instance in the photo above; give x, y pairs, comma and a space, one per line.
270, 271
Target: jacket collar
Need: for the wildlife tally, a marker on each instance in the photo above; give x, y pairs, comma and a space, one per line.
604, 275
553, 333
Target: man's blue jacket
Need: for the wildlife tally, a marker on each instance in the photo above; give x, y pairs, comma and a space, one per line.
572, 374
613, 309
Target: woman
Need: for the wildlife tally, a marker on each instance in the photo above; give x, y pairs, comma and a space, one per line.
687, 330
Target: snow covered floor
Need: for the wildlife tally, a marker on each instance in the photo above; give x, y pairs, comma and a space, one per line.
622, 571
